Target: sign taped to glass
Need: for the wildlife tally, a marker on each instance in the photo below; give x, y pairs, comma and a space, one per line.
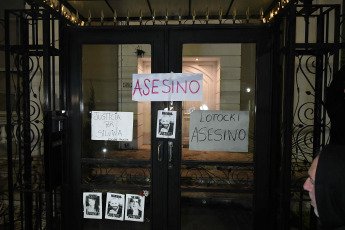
216, 130
167, 87
111, 126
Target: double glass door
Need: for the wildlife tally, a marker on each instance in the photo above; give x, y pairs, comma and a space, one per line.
172, 185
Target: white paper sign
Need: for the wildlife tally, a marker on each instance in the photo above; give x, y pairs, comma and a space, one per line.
111, 126
115, 206
167, 87
135, 206
214, 130
166, 124
92, 202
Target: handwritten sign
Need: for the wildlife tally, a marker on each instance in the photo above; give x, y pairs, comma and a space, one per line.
213, 130
111, 126
167, 87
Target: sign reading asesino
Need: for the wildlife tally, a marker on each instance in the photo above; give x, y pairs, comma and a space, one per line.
167, 87
218, 130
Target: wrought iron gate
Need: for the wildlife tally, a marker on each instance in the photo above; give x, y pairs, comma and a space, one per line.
34, 124
305, 67
35, 118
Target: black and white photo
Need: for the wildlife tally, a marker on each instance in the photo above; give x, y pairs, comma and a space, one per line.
135, 205
115, 206
92, 202
166, 124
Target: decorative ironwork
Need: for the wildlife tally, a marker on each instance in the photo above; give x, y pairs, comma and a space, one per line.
26, 84
100, 174
315, 58
35, 113
304, 114
220, 177
36, 183
35, 102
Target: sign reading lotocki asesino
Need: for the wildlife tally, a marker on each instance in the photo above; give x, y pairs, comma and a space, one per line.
219, 130
167, 87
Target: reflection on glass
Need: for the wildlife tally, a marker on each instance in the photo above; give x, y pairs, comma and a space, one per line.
217, 186
106, 86
228, 85
221, 211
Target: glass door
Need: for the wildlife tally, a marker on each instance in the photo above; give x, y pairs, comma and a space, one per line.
216, 186
172, 183
217, 180
220, 176
117, 168
111, 172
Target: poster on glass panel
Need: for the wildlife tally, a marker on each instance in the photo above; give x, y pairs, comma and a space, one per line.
115, 204
166, 124
92, 202
135, 205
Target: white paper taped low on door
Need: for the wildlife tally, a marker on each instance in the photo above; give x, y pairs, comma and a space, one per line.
135, 207
92, 202
115, 206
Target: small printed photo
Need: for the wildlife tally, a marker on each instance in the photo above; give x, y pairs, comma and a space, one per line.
166, 124
92, 202
115, 204
135, 206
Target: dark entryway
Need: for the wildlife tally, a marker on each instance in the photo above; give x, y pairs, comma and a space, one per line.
187, 189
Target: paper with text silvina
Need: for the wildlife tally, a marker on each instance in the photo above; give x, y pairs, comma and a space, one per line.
111, 126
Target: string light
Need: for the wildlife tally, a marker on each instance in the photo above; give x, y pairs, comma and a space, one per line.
194, 14
247, 13
115, 17
102, 17
234, 16
166, 16
153, 16
220, 15
89, 18
59, 7
140, 16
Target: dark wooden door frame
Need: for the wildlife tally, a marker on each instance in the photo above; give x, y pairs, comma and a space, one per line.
166, 45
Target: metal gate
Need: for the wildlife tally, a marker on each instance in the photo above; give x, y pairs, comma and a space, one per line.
35, 101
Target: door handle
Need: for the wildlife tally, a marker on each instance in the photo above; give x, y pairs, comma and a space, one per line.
159, 157
170, 150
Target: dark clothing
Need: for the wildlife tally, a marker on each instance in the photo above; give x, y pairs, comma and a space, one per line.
330, 187
115, 213
335, 106
341, 228
130, 213
165, 132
